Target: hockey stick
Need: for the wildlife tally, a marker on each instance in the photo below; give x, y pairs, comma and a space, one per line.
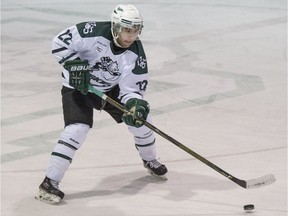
252, 183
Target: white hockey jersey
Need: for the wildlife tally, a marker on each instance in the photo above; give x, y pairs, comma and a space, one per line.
111, 66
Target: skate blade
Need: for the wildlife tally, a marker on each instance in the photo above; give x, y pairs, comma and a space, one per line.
163, 177
47, 198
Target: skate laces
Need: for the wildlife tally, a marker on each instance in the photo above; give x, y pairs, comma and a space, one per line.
154, 163
55, 184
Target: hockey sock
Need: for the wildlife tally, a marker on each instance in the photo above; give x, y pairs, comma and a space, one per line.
71, 139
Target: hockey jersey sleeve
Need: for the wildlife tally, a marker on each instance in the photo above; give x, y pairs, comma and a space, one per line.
134, 80
66, 44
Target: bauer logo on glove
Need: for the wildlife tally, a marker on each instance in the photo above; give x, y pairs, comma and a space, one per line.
80, 68
79, 74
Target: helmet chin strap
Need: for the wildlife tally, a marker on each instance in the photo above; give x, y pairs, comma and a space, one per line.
115, 37
116, 42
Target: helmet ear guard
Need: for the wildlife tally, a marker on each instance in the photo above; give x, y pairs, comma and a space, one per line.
125, 16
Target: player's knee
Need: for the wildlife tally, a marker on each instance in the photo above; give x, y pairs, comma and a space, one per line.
74, 135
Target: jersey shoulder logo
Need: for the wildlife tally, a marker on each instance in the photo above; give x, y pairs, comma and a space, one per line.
140, 65
94, 29
86, 29
141, 62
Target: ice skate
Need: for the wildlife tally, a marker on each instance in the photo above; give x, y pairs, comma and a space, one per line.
155, 168
49, 192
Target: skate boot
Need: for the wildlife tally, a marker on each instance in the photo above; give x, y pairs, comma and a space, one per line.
49, 192
155, 168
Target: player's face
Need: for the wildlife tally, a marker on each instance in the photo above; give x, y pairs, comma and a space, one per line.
127, 37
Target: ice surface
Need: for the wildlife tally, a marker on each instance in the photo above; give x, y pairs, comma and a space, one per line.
218, 84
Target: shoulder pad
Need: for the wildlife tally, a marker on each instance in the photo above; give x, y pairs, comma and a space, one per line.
141, 62
94, 29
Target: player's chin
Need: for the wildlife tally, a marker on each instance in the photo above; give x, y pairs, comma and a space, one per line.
127, 44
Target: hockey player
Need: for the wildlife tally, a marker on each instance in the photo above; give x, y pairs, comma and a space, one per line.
108, 56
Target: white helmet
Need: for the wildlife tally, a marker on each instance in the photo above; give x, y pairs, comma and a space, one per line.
126, 16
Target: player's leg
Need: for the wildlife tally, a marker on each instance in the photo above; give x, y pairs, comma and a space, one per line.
143, 136
145, 144
78, 117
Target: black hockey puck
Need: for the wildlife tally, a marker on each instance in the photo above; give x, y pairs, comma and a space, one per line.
249, 207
